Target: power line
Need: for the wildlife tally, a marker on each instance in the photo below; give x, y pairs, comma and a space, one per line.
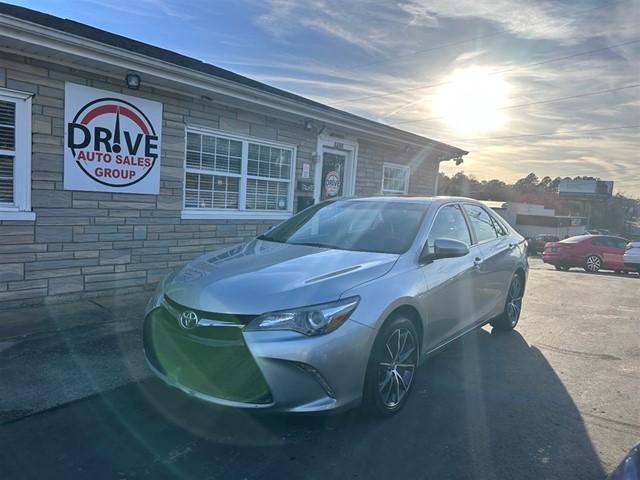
633, 180
387, 94
468, 40
527, 104
569, 132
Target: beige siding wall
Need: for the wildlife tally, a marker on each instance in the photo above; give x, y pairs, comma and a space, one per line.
372, 156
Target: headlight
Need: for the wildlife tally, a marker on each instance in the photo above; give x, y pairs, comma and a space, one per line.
313, 320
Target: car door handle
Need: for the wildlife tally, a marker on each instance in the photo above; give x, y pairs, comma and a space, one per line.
477, 263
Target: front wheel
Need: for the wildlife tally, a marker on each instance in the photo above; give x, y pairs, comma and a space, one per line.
509, 318
391, 370
593, 264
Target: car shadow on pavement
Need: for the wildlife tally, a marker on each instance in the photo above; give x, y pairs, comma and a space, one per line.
489, 406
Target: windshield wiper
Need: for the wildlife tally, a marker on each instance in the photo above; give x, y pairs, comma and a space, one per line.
269, 239
319, 245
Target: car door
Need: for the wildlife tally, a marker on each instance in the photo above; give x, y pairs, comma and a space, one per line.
601, 246
453, 283
499, 259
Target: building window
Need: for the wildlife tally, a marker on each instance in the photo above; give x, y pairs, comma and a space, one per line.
228, 176
395, 179
15, 156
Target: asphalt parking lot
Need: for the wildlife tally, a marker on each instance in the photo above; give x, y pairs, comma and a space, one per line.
556, 399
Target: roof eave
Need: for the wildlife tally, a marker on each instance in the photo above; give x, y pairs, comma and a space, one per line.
123, 59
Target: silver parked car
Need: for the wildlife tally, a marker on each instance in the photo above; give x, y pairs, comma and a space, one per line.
337, 305
631, 257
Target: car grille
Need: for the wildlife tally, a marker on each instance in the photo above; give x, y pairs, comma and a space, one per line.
212, 360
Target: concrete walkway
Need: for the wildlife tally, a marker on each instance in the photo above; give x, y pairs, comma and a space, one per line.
55, 354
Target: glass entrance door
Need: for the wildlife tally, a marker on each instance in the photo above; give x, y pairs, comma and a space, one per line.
333, 171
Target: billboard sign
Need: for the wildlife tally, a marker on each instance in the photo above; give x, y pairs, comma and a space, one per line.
111, 142
585, 188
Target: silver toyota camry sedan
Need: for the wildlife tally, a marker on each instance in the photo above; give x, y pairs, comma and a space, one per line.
336, 306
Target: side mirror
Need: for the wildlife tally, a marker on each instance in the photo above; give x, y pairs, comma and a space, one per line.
444, 248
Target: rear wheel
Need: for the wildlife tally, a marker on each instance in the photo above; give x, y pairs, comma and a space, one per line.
509, 318
391, 370
593, 263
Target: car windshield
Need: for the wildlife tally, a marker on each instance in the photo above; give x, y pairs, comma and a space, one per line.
372, 226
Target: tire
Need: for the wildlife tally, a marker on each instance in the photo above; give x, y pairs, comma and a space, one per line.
509, 318
392, 364
593, 264
558, 267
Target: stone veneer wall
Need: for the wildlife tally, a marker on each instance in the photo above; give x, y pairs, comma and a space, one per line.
86, 244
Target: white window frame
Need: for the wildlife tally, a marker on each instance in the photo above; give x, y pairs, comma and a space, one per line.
407, 175
20, 209
241, 212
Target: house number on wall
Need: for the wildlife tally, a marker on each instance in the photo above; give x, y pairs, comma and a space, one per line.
338, 145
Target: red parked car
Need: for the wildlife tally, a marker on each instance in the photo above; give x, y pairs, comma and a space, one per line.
591, 252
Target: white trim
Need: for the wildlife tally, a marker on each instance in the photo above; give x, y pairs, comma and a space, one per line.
8, 215
407, 178
239, 214
195, 214
21, 208
124, 60
337, 145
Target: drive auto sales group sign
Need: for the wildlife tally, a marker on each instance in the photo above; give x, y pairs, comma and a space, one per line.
112, 142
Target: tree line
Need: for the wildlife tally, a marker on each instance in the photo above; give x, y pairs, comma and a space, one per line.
613, 213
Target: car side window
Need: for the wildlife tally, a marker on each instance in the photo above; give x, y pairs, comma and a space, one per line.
500, 228
449, 223
485, 226
620, 242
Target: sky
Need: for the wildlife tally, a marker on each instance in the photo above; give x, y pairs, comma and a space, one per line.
530, 86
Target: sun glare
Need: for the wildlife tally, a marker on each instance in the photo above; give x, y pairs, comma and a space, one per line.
473, 100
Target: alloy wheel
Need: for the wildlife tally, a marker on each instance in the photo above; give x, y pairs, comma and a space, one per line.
593, 263
397, 367
514, 301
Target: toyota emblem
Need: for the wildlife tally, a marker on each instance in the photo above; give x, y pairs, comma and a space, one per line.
189, 320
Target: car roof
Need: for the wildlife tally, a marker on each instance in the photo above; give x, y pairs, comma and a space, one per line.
581, 238
409, 199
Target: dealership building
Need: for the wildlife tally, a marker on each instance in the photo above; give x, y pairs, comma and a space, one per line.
120, 161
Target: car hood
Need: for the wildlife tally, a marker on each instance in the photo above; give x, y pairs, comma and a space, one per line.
262, 276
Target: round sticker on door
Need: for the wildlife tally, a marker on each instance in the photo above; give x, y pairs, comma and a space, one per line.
332, 183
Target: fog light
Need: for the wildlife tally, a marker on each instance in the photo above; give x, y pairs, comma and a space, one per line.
317, 376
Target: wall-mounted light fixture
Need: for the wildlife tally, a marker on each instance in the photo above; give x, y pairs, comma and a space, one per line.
133, 80
308, 124
445, 158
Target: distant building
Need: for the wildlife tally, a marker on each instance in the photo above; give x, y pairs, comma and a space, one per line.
120, 161
531, 220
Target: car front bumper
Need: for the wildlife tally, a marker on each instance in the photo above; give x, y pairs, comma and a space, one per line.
280, 371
